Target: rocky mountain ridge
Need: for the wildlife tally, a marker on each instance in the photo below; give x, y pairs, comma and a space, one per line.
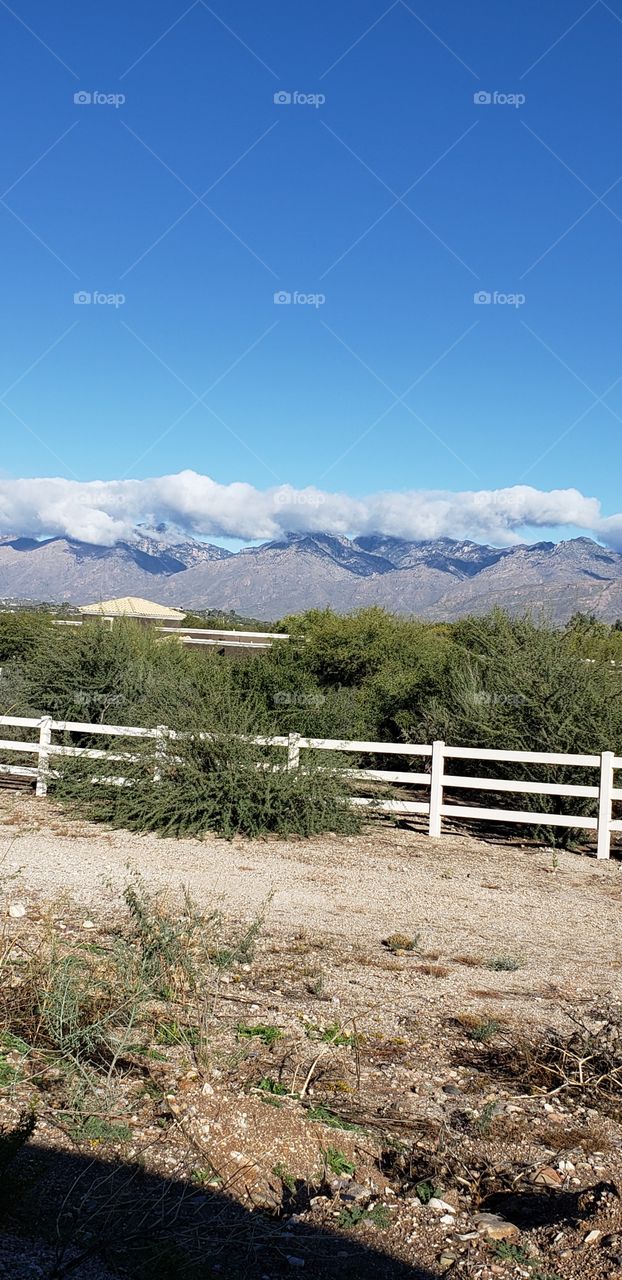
443, 578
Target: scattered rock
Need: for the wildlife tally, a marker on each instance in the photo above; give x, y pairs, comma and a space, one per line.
441, 1206
495, 1227
592, 1237
88, 924
17, 910
547, 1177
354, 1192
447, 1260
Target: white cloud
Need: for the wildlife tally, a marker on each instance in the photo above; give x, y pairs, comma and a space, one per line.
105, 511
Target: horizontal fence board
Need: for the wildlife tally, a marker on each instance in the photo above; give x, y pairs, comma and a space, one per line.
21, 722
90, 753
114, 730
294, 743
392, 806
226, 644
523, 788
518, 815
262, 741
524, 757
378, 748
388, 775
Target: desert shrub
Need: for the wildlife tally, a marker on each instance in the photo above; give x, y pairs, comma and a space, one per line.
92, 1006
513, 683
214, 783
588, 637
23, 632
100, 675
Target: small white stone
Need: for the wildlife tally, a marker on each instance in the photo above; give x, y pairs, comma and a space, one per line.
88, 924
441, 1206
17, 910
447, 1219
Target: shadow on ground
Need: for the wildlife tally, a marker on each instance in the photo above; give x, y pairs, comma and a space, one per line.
66, 1216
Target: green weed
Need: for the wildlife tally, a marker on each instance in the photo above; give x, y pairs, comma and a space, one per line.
504, 964
336, 1162
267, 1034
356, 1216
483, 1031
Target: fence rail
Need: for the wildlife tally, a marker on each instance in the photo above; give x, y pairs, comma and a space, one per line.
434, 779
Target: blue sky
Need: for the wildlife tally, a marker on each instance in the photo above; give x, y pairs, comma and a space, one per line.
198, 197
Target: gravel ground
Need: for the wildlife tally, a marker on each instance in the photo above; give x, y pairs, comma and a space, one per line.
557, 915
412, 1069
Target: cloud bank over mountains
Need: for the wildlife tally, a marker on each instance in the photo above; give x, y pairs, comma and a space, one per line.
108, 511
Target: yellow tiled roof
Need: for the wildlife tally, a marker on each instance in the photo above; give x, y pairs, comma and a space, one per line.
132, 607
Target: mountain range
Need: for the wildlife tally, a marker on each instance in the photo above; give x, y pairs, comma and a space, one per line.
439, 579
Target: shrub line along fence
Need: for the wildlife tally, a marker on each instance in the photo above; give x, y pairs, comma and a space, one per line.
434, 808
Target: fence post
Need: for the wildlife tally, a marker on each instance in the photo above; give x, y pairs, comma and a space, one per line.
160, 751
43, 762
605, 788
293, 750
436, 788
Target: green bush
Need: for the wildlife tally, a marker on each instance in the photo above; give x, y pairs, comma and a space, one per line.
213, 784
516, 684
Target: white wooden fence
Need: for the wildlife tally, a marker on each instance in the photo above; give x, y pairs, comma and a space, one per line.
434, 778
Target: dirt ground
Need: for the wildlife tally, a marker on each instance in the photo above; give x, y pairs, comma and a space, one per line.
557, 913
357, 1101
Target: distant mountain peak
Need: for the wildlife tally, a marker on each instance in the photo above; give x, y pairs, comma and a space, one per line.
440, 578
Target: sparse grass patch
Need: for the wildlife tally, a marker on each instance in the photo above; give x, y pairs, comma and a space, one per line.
324, 1115
397, 943
205, 1177
98, 1130
315, 983
357, 1216
425, 1191
268, 1085
267, 1034
332, 1034
484, 1031
174, 1033
504, 964
336, 1162
8, 1074
515, 1253
281, 1172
